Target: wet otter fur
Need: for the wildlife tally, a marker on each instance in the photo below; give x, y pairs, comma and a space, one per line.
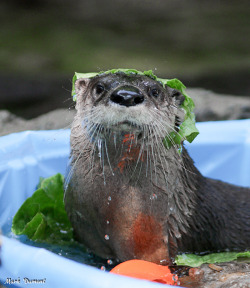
126, 195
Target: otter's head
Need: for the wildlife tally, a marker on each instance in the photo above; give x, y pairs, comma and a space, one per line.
128, 104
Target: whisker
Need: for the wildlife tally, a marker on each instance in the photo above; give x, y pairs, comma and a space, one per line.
67, 180
108, 158
162, 134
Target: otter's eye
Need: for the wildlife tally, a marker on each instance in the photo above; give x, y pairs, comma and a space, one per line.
155, 92
176, 93
99, 88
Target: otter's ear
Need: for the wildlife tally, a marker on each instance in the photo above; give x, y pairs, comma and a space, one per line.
81, 84
178, 97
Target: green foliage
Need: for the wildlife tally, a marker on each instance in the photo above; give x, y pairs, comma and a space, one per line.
196, 260
42, 217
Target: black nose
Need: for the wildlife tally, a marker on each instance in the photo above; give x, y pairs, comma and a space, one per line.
127, 96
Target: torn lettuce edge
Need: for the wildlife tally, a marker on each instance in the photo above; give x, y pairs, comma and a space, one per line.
194, 260
187, 131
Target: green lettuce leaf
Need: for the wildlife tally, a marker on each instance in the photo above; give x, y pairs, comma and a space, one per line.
193, 260
187, 131
42, 217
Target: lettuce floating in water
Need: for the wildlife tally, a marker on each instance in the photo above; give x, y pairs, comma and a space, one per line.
193, 260
187, 131
42, 217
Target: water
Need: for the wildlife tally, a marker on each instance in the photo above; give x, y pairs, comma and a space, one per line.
153, 197
74, 251
110, 262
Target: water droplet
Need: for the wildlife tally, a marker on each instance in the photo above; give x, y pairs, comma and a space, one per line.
103, 268
99, 144
180, 149
110, 262
171, 208
109, 198
175, 278
153, 197
106, 237
107, 222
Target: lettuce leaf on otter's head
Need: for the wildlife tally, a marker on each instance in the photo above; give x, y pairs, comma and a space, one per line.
187, 131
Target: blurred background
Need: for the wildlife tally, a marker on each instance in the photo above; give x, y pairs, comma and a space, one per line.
43, 42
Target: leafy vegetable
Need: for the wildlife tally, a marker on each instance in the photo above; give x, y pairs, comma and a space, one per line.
42, 217
187, 131
196, 260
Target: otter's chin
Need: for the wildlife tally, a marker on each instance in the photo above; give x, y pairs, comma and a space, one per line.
127, 126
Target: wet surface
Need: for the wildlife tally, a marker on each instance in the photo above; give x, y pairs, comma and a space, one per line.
224, 275
74, 251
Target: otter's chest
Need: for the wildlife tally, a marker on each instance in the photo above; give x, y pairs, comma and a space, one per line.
117, 218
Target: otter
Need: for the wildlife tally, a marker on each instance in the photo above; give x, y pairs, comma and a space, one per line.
126, 195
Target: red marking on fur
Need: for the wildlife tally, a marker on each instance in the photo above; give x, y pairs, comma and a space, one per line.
128, 137
131, 154
147, 235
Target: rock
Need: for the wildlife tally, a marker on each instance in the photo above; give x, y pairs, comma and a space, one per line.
57, 119
231, 274
210, 106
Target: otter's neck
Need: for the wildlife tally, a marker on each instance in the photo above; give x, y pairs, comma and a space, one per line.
147, 163
134, 159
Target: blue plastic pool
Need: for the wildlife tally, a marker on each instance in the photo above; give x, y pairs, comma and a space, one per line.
221, 151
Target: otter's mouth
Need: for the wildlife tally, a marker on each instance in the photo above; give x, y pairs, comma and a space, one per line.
128, 123
126, 126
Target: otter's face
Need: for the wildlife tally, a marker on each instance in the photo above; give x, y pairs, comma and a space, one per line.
121, 102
